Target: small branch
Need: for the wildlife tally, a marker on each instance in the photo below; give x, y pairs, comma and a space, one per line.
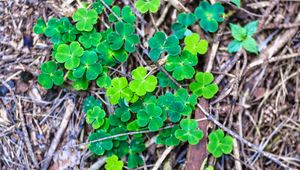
162, 158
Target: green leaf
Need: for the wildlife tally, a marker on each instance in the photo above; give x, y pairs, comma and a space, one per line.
219, 144
236, 2
81, 84
108, 56
167, 137
69, 54
89, 39
100, 147
40, 26
189, 131
234, 46
141, 83
165, 81
160, 43
250, 45
95, 117
186, 19
209, 15
180, 28
119, 90
50, 75
150, 117
147, 5
127, 15
251, 28
172, 106
182, 66
134, 161
239, 33
189, 101
123, 112
85, 19
67, 30
194, 45
90, 102
112, 163
53, 30
103, 81
99, 7
89, 66
204, 86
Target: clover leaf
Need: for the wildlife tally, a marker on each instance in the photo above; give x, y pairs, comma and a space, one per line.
85, 19
40, 26
103, 81
189, 131
50, 75
141, 83
113, 163
147, 5
124, 35
119, 90
123, 111
160, 43
243, 37
80, 84
100, 147
127, 15
219, 144
99, 7
88, 66
167, 137
209, 15
95, 117
67, 30
89, 39
137, 146
165, 81
236, 2
150, 116
69, 54
204, 86
184, 20
90, 102
109, 56
172, 106
182, 66
189, 101
53, 30
194, 45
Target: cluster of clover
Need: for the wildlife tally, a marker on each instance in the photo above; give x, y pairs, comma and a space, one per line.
81, 54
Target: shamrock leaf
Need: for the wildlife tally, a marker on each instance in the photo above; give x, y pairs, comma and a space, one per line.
53, 30
100, 147
134, 161
80, 84
243, 37
127, 14
141, 83
50, 75
182, 66
90, 102
119, 90
160, 43
150, 116
69, 54
204, 85
103, 81
194, 45
137, 146
123, 111
189, 131
209, 15
108, 56
68, 31
172, 106
147, 5
88, 66
236, 2
85, 19
95, 117
89, 39
219, 143
40, 26
112, 163
167, 137
123, 36
189, 101
165, 81
180, 28
99, 7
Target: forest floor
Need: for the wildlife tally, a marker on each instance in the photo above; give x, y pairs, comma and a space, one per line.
258, 100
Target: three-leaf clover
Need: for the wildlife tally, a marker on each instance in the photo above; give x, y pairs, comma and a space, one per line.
147, 5
50, 75
119, 90
89, 39
69, 54
189, 101
90, 102
124, 35
184, 20
137, 145
189, 131
194, 45
141, 83
209, 15
243, 37
150, 116
89, 66
103, 81
53, 30
40, 26
204, 86
167, 137
113, 163
172, 106
99, 6
81, 84
100, 147
160, 43
219, 143
68, 31
95, 117
85, 19
165, 81
109, 56
126, 15
182, 66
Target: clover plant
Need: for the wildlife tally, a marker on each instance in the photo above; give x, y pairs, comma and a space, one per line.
85, 19
99, 6
243, 37
219, 144
184, 20
147, 5
194, 45
95, 117
142, 83
189, 131
113, 163
50, 75
119, 89
126, 14
204, 86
